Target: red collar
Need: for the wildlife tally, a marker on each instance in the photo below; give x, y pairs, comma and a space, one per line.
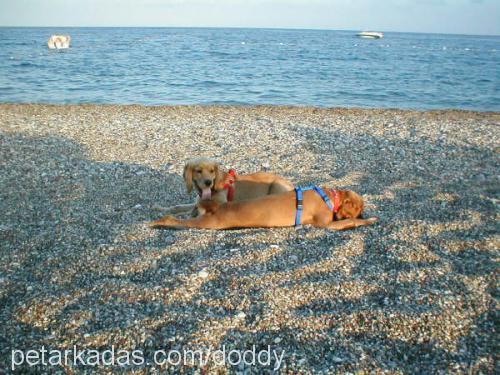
230, 185
336, 200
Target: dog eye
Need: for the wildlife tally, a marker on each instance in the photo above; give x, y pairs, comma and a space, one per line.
198, 171
211, 171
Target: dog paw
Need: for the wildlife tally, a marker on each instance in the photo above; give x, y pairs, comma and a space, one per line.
372, 220
153, 224
164, 221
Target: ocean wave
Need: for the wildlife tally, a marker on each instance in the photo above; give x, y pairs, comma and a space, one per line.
28, 64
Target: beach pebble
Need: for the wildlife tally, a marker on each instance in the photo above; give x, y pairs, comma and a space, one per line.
203, 274
413, 293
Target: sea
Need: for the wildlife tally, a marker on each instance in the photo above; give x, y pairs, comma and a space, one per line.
233, 66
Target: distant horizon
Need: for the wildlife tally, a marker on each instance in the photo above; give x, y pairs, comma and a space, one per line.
243, 28
453, 17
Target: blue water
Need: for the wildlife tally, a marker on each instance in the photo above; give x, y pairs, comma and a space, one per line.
156, 66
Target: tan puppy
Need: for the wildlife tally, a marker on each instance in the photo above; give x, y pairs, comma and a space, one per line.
59, 41
277, 211
212, 183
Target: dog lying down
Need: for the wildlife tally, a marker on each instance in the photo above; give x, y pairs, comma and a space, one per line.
310, 206
211, 182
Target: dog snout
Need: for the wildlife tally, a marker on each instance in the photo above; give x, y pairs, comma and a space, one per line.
208, 182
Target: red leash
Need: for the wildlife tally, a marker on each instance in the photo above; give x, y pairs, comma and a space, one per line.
230, 185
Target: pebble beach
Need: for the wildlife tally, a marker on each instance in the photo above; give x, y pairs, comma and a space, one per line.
415, 293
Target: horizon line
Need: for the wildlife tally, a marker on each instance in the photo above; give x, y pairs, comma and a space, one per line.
249, 27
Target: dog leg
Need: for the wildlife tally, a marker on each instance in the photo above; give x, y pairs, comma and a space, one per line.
350, 223
202, 222
166, 222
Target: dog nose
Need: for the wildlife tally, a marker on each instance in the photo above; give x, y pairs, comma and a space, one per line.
208, 182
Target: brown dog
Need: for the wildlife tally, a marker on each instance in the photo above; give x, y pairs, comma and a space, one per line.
277, 211
211, 182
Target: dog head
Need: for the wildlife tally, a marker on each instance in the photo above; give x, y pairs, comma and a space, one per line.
204, 175
351, 205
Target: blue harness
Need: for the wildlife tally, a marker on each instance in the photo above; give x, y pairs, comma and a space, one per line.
300, 199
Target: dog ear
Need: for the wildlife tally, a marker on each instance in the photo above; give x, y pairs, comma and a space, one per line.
188, 177
220, 176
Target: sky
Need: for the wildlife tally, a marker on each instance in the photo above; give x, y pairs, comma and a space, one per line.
428, 16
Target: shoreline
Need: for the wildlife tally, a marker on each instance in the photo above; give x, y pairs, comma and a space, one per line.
414, 293
256, 106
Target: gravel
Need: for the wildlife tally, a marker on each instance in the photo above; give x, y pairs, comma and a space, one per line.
416, 293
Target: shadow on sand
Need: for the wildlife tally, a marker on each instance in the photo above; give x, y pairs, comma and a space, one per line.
79, 267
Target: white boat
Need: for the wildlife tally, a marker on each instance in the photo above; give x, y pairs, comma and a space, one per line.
370, 34
59, 41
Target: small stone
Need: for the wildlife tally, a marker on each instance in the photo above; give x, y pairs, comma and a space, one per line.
203, 274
